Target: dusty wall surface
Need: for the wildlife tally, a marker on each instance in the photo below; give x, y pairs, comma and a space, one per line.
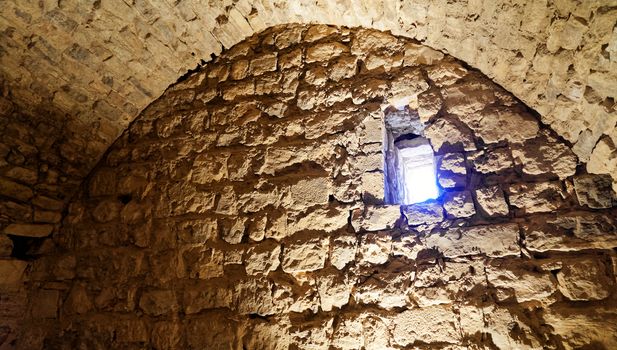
101, 62
242, 210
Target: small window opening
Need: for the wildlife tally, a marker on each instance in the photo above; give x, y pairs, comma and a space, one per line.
410, 162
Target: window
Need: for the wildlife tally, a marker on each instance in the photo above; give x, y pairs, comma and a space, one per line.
410, 162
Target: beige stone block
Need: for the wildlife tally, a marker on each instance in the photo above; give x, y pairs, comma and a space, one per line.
375, 218
263, 258
458, 204
426, 325
29, 230
325, 51
595, 191
343, 250
158, 302
541, 156
537, 197
491, 201
429, 212
584, 279
492, 160
12, 272
334, 290
305, 255
375, 248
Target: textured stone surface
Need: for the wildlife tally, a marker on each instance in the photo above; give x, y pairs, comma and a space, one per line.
238, 213
491, 201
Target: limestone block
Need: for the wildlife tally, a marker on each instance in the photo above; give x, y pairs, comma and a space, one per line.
347, 333
579, 329
436, 324
406, 87
319, 31
449, 73
259, 296
326, 218
421, 55
207, 297
491, 201
239, 69
429, 104
197, 231
158, 302
537, 197
78, 301
465, 99
209, 168
212, 330
451, 171
520, 282
492, 160
203, 263
365, 41
499, 124
342, 68
437, 284
47, 216
428, 212
565, 34
603, 159
584, 279
491, 240
11, 272
45, 304
106, 211
325, 51
238, 89
334, 290
375, 218
29, 230
47, 203
291, 59
540, 157
343, 250
375, 248
14, 190
458, 204
449, 135
308, 255
595, 191
388, 287
368, 89
309, 192
21, 174
263, 258
571, 232
373, 187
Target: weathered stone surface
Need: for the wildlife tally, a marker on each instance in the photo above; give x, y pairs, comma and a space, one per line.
45, 304
158, 302
375, 248
262, 258
492, 160
537, 197
490, 240
323, 218
458, 204
375, 218
583, 329
491, 201
571, 232
12, 272
387, 287
343, 250
14, 190
29, 230
451, 171
595, 191
324, 51
521, 283
429, 212
434, 324
584, 279
540, 157
334, 291
6, 246
449, 135
305, 256
498, 124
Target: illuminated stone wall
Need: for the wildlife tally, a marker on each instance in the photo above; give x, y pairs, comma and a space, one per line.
242, 210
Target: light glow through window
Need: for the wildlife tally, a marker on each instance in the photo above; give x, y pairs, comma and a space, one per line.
417, 171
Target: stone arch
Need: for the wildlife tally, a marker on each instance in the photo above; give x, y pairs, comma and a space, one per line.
231, 212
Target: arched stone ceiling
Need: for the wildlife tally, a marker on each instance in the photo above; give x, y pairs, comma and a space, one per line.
101, 61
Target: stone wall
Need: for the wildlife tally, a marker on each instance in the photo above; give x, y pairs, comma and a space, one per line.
101, 62
243, 210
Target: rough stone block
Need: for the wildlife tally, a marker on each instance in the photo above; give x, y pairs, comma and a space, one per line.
334, 290
325, 51
446, 135
263, 258
521, 282
375, 248
428, 212
542, 156
343, 250
11, 272
451, 171
571, 232
491, 240
158, 302
436, 324
491, 201
303, 256
375, 218
595, 191
492, 160
538, 197
584, 279
458, 204
29, 230
14, 190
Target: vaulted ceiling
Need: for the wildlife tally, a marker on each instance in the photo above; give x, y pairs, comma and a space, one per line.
97, 63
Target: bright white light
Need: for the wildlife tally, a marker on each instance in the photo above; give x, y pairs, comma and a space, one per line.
417, 170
